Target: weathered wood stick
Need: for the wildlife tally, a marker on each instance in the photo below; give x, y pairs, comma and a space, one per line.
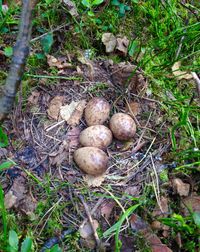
20, 54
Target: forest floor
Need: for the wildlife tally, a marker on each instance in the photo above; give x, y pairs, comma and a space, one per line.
143, 57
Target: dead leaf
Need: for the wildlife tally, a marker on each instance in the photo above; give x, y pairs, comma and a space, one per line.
125, 74
162, 209
133, 191
59, 156
77, 113
192, 203
73, 138
17, 197
139, 225
71, 6
34, 97
180, 74
10, 199
110, 41
86, 230
122, 45
54, 107
180, 187
54, 62
3, 152
67, 110
107, 208
133, 108
94, 181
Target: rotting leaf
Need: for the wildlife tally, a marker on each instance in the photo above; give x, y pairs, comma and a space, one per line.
162, 209
140, 226
54, 62
133, 108
71, 6
110, 42
122, 45
94, 181
86, 230
67, 110
77, 114
34, 97
180, 74
180, 187
54, 107
107, 208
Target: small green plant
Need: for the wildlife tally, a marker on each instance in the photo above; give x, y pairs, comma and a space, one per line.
90, 4
14, 243
188, 227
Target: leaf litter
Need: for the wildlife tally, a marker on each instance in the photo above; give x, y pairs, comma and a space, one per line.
54, 148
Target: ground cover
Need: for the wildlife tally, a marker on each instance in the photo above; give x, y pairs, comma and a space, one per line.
149, 197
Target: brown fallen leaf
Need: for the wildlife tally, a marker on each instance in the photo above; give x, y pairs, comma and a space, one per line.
17, 197
34, 97
122, 45
54, 107
77, 114
54, 62
107, 208
110, 41
180, 74
67, 110
140, 226
162, 209
125, 74
180, 187
86, 229
71, 6
133, 191
190, 204
133, 108
94, 181
73, 138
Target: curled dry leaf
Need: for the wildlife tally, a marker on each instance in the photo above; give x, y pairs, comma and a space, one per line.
190, 204
107, 208
110, 41
71, 7
17, 197
86, 229
162, 209
180, 74
54, 107
133, 108
67, 110
139, 225
122, 45
77, 113
94, 181
34, 97
54, 62
180, 187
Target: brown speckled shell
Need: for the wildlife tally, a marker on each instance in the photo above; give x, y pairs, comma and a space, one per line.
122, 126
96, 136
97, 111
91, 160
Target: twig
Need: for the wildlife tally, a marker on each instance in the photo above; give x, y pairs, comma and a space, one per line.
52, 31
98, 242
93, 210
157, 193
